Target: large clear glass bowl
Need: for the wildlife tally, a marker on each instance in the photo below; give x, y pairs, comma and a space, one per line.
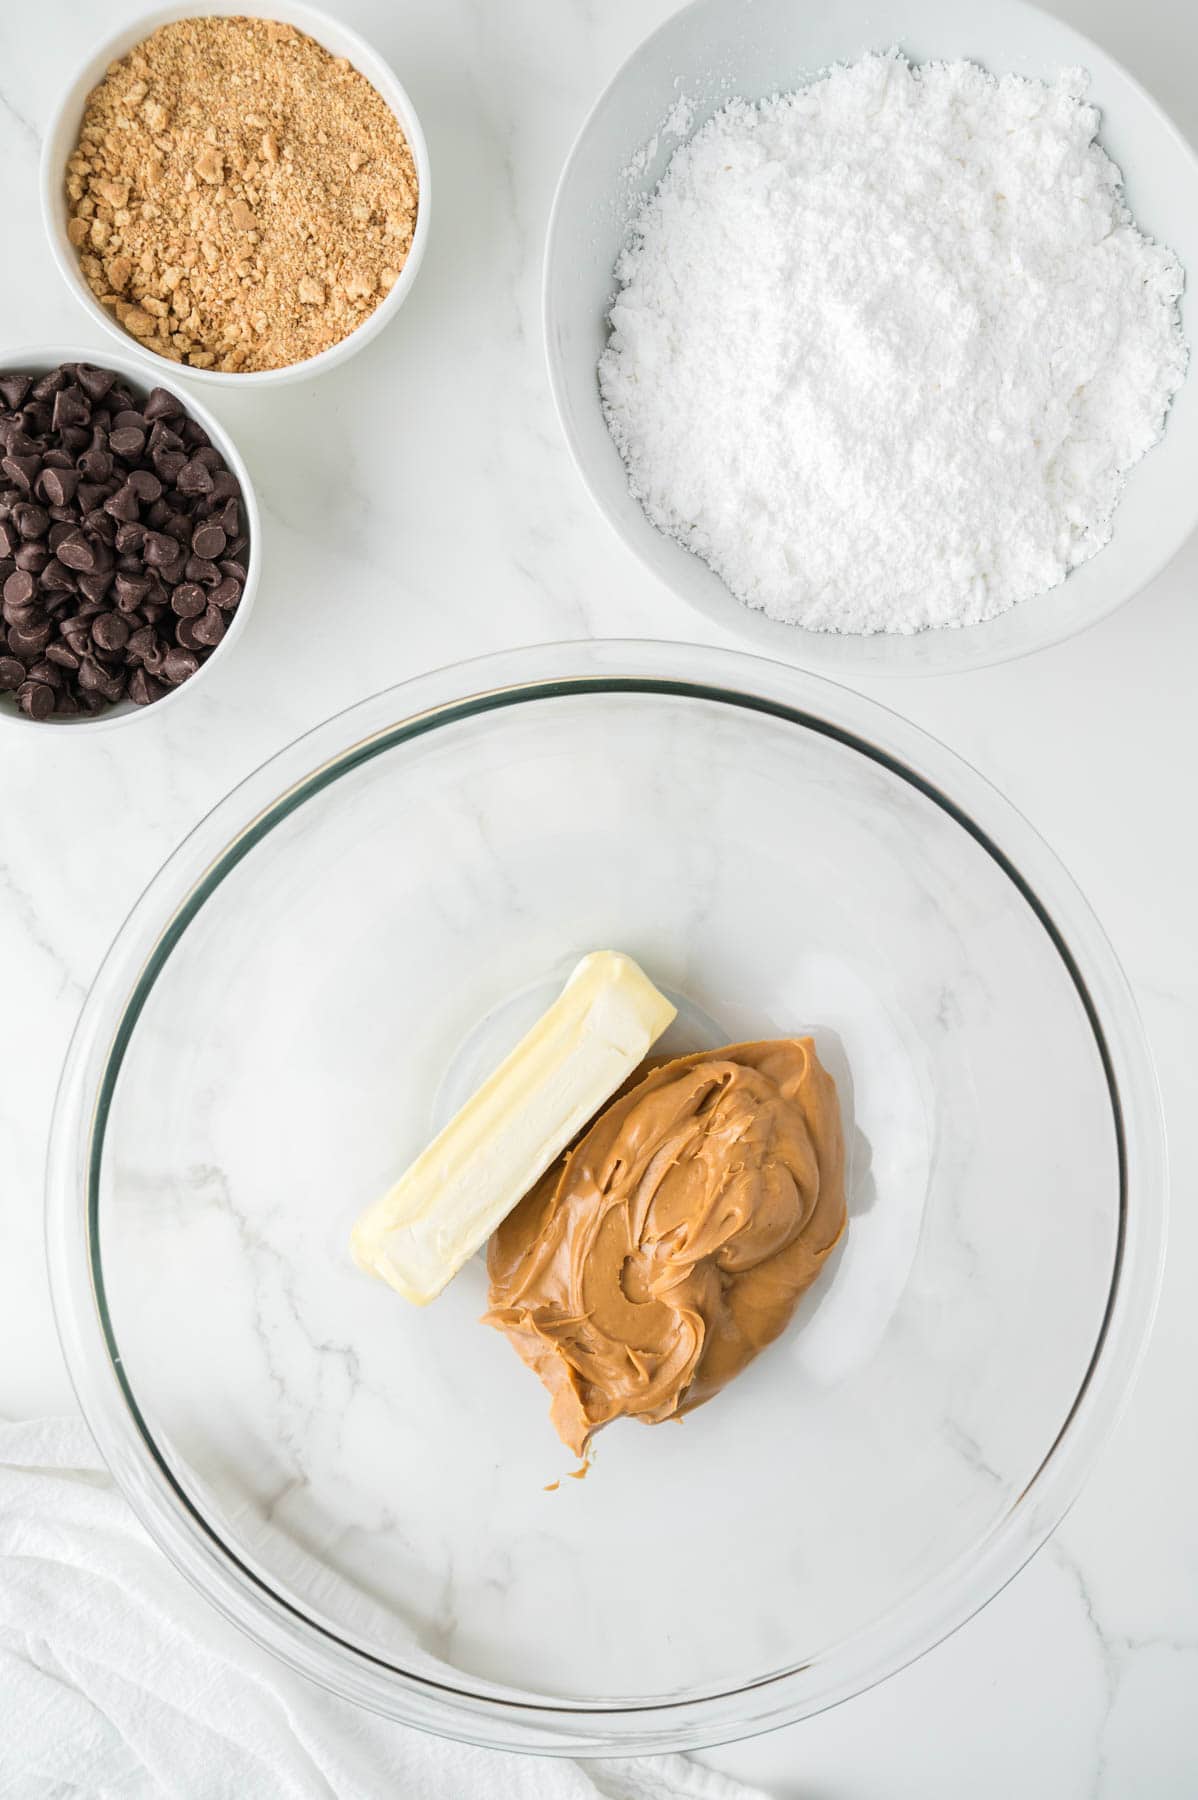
314, 982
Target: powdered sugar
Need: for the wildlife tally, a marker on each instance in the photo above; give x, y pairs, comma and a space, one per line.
676, 124
884, 348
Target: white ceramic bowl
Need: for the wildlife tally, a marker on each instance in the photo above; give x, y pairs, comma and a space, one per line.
39, 359
63, 133
715, 49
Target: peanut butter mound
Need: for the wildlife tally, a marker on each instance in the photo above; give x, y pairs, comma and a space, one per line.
239, 198
654, 1260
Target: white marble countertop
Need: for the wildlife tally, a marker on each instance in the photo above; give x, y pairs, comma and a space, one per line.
419, 506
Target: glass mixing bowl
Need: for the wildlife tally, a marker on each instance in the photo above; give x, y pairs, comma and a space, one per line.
313, 984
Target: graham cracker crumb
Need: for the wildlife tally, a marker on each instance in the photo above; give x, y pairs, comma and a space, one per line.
230, 161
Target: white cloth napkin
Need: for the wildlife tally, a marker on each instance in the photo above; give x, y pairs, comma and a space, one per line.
118, 1682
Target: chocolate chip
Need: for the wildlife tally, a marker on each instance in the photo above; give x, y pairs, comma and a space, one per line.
110, 631
56, 486
123, 504
173, 571
36, 700
188, 600
55, 579
31, 521
46, 671
157, 548
63, 655
77, 634
19, 589
193, 478
96, 585
146, 485
167, 463
211, 628
128, 542
162, 404
94, 382
77, 552
230, 566
206, 573
12, 672
29, 640
91, 495
226, 595
32, 556
71, 407
24, 470
96, 680
185, 632
229, 518
127, 442
143, 689
130, 591
142, 642
225, 486
208, 541
96, 465
178, 665
46, 386
13, 389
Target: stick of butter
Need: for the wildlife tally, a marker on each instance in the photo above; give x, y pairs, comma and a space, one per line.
600, 1027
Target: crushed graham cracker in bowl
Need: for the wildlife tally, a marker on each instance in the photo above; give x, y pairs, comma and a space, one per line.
240, 199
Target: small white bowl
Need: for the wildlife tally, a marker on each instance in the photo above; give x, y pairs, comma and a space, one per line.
714, 49
63, 134
39, 359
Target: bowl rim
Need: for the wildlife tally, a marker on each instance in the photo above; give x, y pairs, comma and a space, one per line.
316, 24
485, 1715
134, 369
836, 657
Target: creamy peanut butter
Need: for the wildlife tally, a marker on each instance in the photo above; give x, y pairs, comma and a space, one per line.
666, 1248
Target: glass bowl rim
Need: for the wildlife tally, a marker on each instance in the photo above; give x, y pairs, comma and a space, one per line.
306, 768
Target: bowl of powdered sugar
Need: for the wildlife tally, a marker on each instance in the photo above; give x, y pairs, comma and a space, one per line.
866, 326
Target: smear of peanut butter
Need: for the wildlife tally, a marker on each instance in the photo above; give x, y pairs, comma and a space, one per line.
672, 1242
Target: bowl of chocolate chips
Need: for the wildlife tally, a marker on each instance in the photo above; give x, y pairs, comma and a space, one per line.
128, 541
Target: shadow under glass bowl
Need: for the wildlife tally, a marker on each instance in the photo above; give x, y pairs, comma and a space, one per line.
322, 970
713, 50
